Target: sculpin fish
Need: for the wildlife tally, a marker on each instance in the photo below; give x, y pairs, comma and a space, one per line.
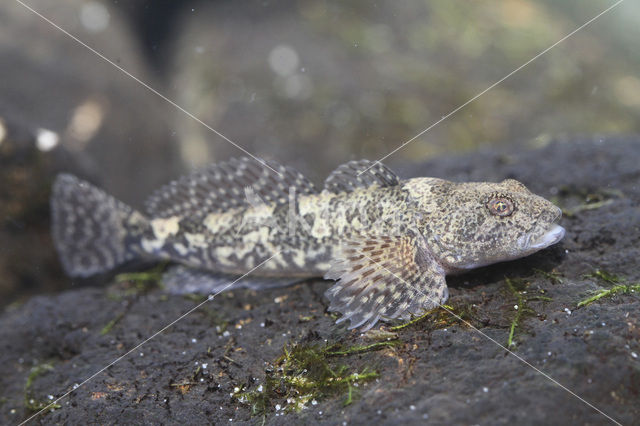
387, 242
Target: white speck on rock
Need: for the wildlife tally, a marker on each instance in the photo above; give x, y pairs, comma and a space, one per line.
634, 355
485, 389
568, 311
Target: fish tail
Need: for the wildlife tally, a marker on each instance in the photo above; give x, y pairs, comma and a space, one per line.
91, 229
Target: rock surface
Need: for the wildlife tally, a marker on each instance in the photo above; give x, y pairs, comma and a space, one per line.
438, 369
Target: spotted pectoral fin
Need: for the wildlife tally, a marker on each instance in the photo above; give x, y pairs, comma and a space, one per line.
385, 278
221, 186
181, 279
359, 174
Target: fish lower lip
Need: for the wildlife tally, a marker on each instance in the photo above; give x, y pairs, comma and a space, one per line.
552, 236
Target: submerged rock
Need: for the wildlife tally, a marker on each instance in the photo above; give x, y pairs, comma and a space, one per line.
214, 364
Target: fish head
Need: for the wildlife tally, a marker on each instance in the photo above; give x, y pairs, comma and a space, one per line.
473, 224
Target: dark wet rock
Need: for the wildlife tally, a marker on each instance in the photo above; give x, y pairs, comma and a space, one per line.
441, 370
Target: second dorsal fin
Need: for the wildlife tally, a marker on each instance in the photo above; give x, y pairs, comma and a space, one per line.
359, 174
221, 186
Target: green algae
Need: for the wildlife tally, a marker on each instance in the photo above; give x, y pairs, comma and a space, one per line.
141, 282
518, 288
589, 199
107, 328
358, 349
617, 289
442, 317
31, 403
306, 373
619, 286
553, 277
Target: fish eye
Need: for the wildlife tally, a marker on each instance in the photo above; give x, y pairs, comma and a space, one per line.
500, 206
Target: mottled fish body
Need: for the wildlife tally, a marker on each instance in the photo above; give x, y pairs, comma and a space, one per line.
388, 242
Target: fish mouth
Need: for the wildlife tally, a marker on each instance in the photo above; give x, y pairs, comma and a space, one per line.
554, 233
549, 238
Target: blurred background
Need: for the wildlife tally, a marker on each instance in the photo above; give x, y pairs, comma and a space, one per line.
307, 83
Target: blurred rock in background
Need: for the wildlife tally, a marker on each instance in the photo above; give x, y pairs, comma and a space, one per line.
308, 83
109, 122
62, 108
28, 263
315, 83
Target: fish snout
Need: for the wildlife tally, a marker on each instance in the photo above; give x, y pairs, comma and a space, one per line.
545, 237
553, 235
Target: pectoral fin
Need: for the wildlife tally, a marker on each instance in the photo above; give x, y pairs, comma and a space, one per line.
385, 278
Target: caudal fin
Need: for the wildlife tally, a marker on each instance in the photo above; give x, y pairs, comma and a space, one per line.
88, 227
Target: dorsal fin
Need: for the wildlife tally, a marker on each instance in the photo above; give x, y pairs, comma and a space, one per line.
359, 174
221, 186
